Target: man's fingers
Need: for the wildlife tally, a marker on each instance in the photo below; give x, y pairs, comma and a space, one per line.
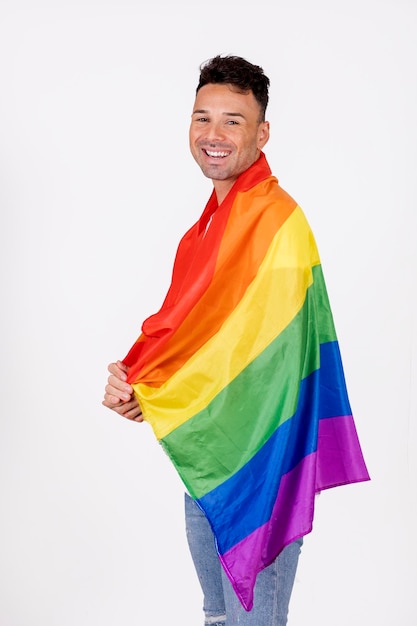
119, 394
115, 387
111, 401
131, 410
118, 369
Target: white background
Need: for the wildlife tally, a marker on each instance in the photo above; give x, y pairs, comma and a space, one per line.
97, 186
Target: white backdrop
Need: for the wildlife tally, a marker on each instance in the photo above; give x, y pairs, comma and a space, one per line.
96, 187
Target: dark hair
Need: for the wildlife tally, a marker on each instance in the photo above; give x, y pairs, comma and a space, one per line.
238, 72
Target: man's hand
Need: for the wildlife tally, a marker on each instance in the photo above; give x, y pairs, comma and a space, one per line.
119, 394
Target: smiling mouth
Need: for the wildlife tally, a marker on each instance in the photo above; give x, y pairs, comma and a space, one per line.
216, 154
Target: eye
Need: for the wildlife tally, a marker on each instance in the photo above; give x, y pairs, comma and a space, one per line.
201, 119
232, 122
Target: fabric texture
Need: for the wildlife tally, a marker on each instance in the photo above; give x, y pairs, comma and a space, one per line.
240, 376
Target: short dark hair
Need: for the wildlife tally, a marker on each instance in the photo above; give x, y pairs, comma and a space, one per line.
236, 71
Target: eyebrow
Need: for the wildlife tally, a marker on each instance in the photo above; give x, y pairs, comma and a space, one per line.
227, 113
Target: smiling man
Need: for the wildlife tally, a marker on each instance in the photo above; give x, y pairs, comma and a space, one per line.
239, 373
227, 133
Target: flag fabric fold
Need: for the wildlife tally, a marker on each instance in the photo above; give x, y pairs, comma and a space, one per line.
240, 376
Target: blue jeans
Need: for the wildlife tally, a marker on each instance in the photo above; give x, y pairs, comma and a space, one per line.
221, 606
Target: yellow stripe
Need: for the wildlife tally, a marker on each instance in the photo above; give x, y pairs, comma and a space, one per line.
268, 306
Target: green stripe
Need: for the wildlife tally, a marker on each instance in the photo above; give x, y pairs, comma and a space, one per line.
218, 441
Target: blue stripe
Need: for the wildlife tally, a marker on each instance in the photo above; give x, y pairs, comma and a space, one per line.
334, 399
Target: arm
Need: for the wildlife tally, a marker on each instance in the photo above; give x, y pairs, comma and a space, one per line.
119, 394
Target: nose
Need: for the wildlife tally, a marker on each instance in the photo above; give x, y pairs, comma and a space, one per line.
215, 133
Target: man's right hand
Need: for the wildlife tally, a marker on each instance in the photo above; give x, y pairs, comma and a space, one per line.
119, 394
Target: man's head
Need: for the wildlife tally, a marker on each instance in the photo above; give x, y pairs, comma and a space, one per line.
228, 128
244, 76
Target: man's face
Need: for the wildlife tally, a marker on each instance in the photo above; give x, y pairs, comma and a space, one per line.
226, 135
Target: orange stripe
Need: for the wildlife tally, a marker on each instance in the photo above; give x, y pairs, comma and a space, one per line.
255, 218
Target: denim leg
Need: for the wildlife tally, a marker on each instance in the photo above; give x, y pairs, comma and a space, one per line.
272, 592
206, 561
273, 585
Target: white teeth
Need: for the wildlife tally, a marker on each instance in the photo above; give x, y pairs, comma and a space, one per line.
216, 154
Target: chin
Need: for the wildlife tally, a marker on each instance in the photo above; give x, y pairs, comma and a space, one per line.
214, 172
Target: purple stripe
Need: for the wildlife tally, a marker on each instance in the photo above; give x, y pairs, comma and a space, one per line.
335, 463
339, 455
291, 518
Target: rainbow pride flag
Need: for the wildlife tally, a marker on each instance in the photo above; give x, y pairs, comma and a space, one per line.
240, 376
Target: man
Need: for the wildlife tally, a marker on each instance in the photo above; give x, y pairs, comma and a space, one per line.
239, 373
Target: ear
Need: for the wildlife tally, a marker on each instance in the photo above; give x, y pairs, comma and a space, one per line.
263, 134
